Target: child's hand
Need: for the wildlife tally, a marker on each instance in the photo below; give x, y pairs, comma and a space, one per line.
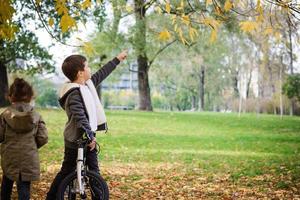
123, 55
92, 145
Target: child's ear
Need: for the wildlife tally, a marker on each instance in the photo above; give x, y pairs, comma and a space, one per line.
79, 74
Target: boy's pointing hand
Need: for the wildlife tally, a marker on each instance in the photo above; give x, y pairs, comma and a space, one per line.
123, 55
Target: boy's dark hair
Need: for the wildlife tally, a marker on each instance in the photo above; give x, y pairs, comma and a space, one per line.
72, 65
20, 91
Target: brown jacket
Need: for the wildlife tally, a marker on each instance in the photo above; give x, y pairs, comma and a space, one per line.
22, 132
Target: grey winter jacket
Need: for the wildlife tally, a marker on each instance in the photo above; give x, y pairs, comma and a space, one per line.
72, 102
22, 132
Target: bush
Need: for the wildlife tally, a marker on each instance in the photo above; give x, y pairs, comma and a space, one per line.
47, 98
119, 98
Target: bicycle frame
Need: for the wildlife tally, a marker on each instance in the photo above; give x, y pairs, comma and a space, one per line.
83, 182
79, 169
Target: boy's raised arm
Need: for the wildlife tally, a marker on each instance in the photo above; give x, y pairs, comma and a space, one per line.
103, 72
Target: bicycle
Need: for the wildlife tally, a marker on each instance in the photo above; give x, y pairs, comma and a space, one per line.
82, 183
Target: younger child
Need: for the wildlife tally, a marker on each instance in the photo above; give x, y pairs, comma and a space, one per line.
22, 133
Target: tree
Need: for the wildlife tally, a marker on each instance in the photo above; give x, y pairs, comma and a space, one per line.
19, 47
197, 72
142, 58
291, 87
16, 56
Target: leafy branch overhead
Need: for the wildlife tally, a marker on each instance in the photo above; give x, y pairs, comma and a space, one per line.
186, 17
253, 17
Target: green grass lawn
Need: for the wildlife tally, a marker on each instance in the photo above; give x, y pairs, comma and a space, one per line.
213, 142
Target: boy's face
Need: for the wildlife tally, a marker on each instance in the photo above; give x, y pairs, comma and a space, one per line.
86, 73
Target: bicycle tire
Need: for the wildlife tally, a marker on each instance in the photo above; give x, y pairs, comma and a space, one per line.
102, 188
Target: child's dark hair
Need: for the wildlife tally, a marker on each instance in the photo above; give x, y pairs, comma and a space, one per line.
72, 65
20, 91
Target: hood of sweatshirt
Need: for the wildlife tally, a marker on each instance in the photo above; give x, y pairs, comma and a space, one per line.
65, 90
21, 117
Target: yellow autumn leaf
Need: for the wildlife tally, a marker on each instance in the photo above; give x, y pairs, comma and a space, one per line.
51, 22
258, 4
164, 35
185, 19
277, 36
6, 11
260, 11
174, 17
130, 8
168, 7
242, 4
228, 5
158, 10
260, 18
268, 31
88, 48
248, 26
218, 11
208, 2
193, 32
175, 27
213, 36
67, 23
7, 32
180, 33
213, 23
181, 7
61, 7
183, 40
7, 29
38, 2
86, 4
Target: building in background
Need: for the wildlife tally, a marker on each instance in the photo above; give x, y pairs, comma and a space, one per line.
128, 81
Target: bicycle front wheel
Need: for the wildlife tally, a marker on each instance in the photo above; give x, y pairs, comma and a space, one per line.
94, 185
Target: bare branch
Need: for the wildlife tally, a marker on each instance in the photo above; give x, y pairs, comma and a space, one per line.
159, 51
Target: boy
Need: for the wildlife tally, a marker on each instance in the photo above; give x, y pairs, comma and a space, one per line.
84, 110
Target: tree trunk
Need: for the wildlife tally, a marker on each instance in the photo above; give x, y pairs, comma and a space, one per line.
291, 49
235, 83
240, 105
142, 59
143, 81
280, 86
201, 88
116, 20
293, 103
193, 99
3, 85
248, 85
258, 99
